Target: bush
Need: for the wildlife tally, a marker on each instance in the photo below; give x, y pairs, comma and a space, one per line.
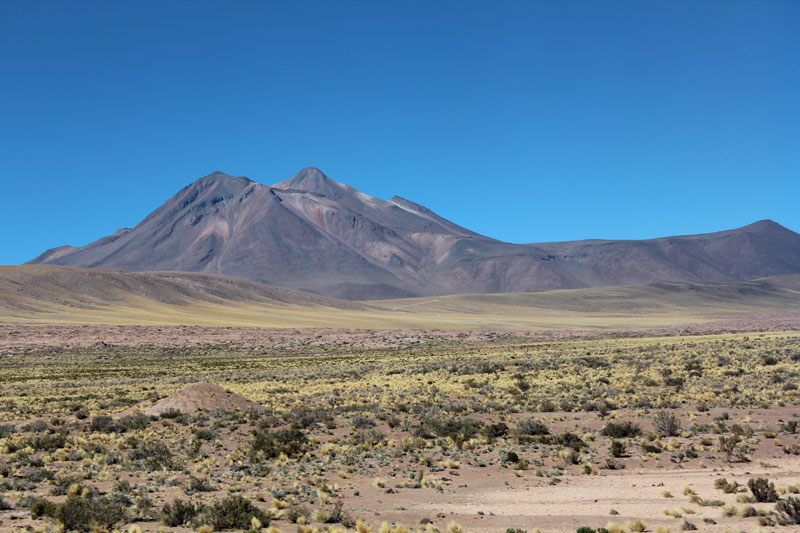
368, 439
458, 429
618, 448
531, 426
620, 430
729, 445
172, 413
48, 443
493, 431
788, 511
234, 512
272, 444
726, 486
294, 513
566, 439
763, 490
42, 507
363, 422
133, 422
85, 514
178, 513
667, 424
156, 455
102, 424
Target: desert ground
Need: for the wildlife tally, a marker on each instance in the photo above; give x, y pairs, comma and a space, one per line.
196, 428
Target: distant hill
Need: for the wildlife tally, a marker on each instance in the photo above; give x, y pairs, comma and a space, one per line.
315, 234
47, 288
68, 295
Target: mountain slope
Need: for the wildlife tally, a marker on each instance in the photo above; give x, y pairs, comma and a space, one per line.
313, 233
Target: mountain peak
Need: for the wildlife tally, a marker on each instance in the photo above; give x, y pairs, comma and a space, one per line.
219, 183
764, 224
309, 179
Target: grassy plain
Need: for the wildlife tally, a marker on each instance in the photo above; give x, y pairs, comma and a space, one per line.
420, 432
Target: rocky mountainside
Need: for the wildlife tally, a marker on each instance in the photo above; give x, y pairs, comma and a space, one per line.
316, 234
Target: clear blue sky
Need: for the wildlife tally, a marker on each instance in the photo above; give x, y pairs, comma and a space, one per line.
526, 121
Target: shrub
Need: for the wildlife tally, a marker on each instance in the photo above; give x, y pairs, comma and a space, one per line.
666, 424
566, 439
48, 443
458, 429
194, 484
619, 430
102, 424
178, 513
617, 448
294, 513
133, 422
725, 486
763, 490
729, 445
172, 413
363, 422
272, 444
531, 426
368, 439
234, 512
493, 431
788, 511
42, 507
84, 514
156, 455
106, 512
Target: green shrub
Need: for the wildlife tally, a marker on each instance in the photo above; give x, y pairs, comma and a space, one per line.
369, 438
763, 490
48, 443
620, 430
234, 512
179, 513
725, 486
156, 455
133, 422
272, 444
618, 448
458, 429
530, 427
84, 514
493, 431
788, 511
102, 424
42, 507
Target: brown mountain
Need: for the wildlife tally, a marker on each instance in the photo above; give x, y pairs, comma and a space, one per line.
312, 233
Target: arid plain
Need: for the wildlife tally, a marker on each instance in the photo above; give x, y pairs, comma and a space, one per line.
173, 401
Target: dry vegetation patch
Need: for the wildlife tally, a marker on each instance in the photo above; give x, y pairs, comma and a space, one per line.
444, 434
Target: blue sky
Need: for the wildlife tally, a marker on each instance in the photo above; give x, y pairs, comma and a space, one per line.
526, 121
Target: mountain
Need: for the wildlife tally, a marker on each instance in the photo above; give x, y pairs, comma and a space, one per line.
313, 233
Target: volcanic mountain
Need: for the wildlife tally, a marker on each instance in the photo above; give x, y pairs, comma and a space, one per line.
313, 233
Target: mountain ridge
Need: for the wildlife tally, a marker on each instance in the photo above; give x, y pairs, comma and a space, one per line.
313, 233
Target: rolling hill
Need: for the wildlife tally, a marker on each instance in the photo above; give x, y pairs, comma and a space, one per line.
313, 233
69, 295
